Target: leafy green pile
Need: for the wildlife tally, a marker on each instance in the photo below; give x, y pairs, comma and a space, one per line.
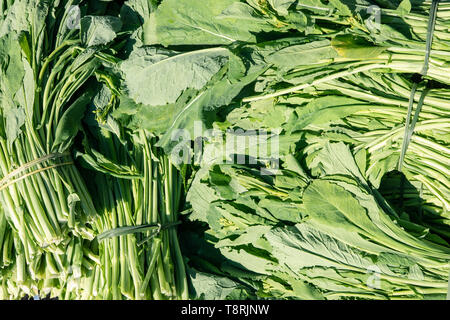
324, 237
45, 68
367, 110
116, 117
138, 202
63, 243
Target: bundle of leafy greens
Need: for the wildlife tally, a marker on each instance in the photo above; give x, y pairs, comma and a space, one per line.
47, 59
138, 198
367, 111
330, 236
95, 256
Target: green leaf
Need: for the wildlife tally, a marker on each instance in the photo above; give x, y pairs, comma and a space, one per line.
99, 30
262, 114
329, 203
251, 235
303, 246
200, 195
15, 119
352, 47
302, 54
166, 74
336, 159
243, 12
25, 44
342, 7
315, 6
134, 12
326, 109
205, 22
208, 286
292, 164
12, 86
281, 6
25, 15
11, 65
404, 7
99, 162
70, 121
282, 210
26, 95
202, 107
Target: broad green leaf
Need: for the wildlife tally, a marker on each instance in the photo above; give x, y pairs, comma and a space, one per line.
241, 13
70, 121
156, 77
404, 7
100, 163
12, 69
342, 7
282, 210
200, 196
99, 30
302, 54
202, 106
202, 22
303, 246
262, 114
249, 260
12, 73
15, 119
213, 287
134, 12
24, 15
336, 159
292, 164
281, 6
251, 235
26, 95
329, 203
352, 47
326, 109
